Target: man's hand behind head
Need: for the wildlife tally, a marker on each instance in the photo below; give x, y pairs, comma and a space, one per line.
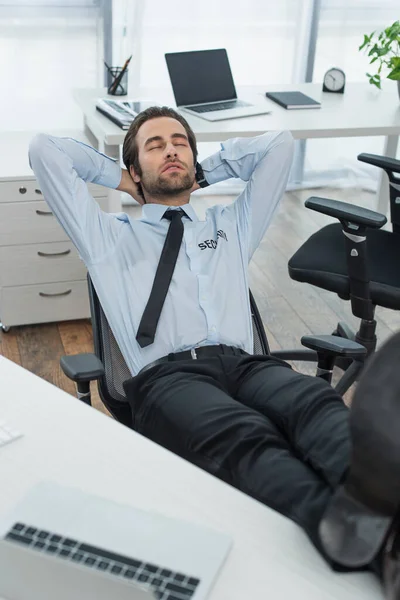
128, 186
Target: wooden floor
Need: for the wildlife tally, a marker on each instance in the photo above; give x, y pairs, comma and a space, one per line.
289, 309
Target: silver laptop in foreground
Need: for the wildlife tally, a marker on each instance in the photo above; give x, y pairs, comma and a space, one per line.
60, 542
203, 85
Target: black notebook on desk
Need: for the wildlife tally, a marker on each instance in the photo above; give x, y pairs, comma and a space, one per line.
292, 100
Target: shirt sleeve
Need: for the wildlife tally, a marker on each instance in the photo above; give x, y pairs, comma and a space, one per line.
264, 163
62, 167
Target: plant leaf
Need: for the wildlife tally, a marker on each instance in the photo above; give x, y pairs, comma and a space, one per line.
365, 42
395, 74
384, 50
393, 30
376, 83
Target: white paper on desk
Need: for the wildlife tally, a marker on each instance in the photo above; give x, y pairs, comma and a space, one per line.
124, 110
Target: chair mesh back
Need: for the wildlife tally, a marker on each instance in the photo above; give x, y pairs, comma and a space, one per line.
260, 342
257, 343
116, 370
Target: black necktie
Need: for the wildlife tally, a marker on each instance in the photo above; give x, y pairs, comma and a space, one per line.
162, 279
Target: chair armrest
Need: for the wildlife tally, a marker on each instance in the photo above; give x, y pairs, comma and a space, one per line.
389, 164
82, 367
334, 346
347, 212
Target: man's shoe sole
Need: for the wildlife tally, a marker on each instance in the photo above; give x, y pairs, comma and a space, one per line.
357, 520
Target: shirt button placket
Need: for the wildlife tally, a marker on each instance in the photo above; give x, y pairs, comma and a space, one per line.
189, 239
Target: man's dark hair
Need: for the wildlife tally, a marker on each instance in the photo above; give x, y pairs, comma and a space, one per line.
130, 151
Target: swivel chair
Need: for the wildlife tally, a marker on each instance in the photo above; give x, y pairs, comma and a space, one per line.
108, 367
356, 259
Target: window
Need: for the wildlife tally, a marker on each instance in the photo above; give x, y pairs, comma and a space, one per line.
47, 48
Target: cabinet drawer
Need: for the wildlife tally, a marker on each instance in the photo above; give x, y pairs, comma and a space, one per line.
30, 222
44, 303
40, 263
25, 191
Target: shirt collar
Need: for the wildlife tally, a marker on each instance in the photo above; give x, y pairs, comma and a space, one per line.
153, 213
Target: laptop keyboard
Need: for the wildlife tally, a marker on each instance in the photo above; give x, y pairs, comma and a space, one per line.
219, 106
164, 583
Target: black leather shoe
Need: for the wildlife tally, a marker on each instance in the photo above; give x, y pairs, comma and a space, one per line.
359, 523
391, 562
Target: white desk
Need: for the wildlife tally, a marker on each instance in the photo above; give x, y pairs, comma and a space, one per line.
73, 444
361, 111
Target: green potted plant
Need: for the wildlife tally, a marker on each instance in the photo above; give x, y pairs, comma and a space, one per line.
384, 48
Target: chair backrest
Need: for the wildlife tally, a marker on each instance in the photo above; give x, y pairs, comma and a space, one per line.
116, 371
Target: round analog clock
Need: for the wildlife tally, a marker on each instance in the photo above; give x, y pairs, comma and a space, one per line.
334, 81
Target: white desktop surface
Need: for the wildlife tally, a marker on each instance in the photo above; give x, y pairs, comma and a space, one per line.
362, 110
14, 149
73, 444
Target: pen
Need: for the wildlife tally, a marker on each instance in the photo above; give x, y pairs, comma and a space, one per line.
119, 78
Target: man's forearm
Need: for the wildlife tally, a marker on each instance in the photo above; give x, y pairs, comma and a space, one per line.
62, 166
47, 152
239, 157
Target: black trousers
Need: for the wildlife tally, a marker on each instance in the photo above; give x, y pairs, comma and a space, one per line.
277, 435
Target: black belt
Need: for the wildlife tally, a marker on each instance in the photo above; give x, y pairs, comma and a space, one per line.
194, 353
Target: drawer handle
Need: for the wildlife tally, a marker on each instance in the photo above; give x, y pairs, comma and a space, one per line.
56, 294
37, 191
44, 212
22, 190
64, 253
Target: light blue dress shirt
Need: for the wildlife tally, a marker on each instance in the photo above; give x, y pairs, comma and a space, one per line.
208, 299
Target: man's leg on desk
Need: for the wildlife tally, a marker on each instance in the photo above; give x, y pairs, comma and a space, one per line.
307, 409
187, 408
362, 521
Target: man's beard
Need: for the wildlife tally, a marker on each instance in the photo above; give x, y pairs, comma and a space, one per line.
167, 185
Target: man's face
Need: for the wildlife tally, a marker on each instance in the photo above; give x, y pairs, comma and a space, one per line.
165, 158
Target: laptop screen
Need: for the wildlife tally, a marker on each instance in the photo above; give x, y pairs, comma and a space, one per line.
200, 77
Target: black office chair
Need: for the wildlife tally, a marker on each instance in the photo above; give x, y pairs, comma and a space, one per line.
356, 259
108, 367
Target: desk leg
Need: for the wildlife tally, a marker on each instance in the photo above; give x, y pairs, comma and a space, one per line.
297, 172
99, 144
390, 150
93, 139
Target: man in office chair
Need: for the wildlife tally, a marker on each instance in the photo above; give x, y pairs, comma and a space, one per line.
175, 292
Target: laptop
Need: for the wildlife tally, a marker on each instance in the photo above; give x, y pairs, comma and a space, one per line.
63, 543
203, 85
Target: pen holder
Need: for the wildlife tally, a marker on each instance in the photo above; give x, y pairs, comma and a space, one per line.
121, 89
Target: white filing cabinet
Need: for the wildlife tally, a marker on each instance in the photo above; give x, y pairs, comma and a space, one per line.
42, 278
